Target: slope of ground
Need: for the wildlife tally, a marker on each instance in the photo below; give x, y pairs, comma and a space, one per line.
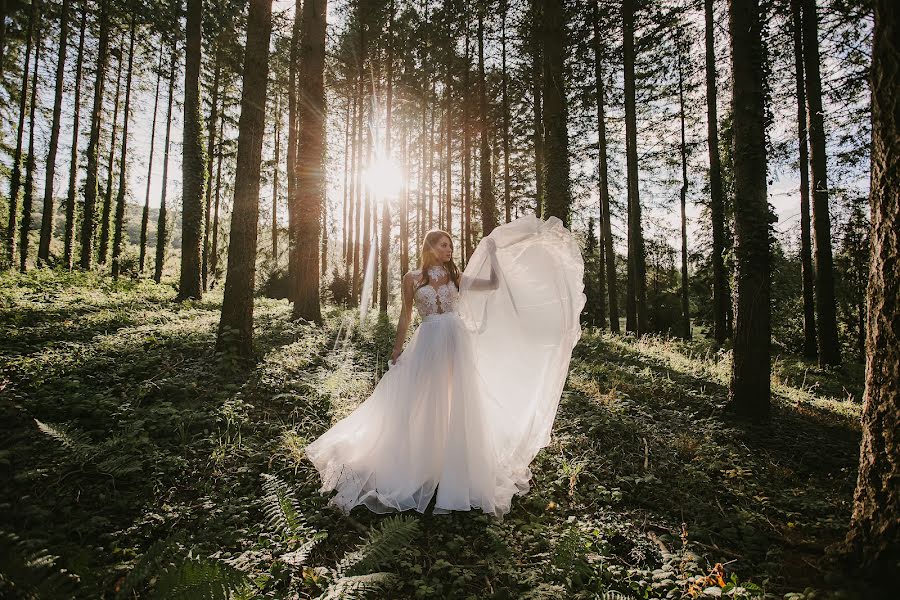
134, 460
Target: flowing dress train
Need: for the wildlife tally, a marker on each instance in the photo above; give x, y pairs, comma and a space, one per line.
473, 396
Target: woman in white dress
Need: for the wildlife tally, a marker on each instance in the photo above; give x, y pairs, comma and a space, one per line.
464, 409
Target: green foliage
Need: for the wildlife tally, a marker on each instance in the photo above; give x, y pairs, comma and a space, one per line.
29, 572
339, 288
380, 548
111, 457
194, 578
281, 508
219, 499
358, 586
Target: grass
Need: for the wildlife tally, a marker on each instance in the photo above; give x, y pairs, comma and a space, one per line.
122, 427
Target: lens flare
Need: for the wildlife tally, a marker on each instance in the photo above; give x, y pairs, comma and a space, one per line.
384, 178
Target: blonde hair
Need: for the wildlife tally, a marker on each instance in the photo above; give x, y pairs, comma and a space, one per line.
428, 258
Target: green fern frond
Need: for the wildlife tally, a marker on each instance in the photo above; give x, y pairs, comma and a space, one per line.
545, 591
31, 573
569, 549
384, 541
149, 564
119, 465
281, 508
299, 557
358, 586
194, 578
69, 437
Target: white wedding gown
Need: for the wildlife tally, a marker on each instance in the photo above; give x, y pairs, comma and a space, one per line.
473, 396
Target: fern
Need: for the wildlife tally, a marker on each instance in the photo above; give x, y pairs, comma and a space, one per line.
82, 451
569, 549
193, 578
281, 508
119, 465
71, 438
545, 591
391, 535
358, 586
149, 564
29, 573
299, 557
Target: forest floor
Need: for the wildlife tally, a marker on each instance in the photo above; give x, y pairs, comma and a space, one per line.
140, 462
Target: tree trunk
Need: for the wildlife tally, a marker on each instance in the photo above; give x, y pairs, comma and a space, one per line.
750, 383
345, 225
385, 202
161, 241
716, 195
404, 203
367, 209
810, 349
351, 194
486, 187
438, 209
50, 170
15, 180
448, 163
356, 285
214, 251
685, 302
123, 181
507, 200
636, 304
4, 11
28, 192
826, 313
467, 145
193, 162
69, 239
103, 251
427, 173
93, 150
873, 532
431, 160
606, 252
324, 256
292, 144
557, 191
210, 145
311, 160
145, 215
276, 170
874, 536
236, 324
537, 92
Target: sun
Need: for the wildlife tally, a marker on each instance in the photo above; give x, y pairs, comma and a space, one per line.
384, 178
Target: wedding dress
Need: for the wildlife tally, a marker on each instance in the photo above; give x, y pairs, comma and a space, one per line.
473, 396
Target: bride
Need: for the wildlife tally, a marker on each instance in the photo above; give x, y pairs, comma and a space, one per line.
464, 409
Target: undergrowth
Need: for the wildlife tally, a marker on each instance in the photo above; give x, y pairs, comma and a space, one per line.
135, 461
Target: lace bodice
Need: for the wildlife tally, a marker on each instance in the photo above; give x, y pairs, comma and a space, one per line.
440, 295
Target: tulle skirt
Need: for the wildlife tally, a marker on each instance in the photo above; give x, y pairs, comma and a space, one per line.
424, 424
474, 395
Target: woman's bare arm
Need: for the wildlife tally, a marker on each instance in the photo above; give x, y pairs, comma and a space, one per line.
484, 284
405, 315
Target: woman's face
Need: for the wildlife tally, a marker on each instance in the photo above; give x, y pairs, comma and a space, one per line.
443, 249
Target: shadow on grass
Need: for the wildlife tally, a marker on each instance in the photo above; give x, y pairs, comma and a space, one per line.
770, 497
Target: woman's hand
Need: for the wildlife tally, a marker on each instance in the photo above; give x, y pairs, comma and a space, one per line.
395, 355
491, 244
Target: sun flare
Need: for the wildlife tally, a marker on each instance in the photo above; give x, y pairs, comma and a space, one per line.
384, 178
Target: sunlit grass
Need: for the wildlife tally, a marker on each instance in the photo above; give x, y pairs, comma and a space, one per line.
640, 443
